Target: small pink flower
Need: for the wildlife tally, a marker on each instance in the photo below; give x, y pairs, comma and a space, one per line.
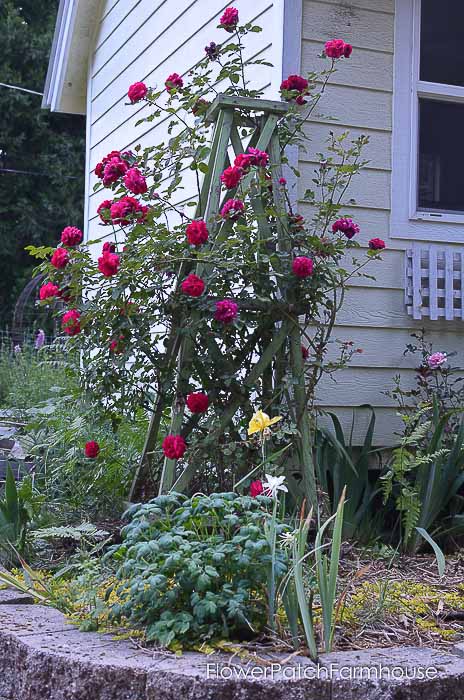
229, 19
226, 311
60, 258
231, 176
346, 226
137, 92
173, 82
304, 352
92, 449
48, 291
135, 181
282, 181
376, 244
302, 267
232, 209
436, 360
243, 161
71, 236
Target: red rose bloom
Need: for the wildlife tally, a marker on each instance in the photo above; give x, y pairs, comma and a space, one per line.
103, 211
193, 286
60, 258
297, 222
336, 48
71, 236
137, 92
71, 322
347, 227
135, 182
174, 446
231, 176
243, 161
100, 167
108, 264
226, 311
295, 83
113, 170
47, 291
125, 210
376, 244
304, 352
196, 232
197, 402
229, 19
200, 107
117, 346
232, 209
91, 449
173, 82
259, 158
256, 488
108, 247
302, 267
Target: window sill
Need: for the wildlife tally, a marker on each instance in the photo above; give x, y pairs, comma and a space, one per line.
423, 228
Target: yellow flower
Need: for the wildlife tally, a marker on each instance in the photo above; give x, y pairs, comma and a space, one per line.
260, 422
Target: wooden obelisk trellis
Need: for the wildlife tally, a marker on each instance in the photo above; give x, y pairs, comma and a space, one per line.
229, 113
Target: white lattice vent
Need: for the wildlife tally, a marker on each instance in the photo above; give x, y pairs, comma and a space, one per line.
435, 283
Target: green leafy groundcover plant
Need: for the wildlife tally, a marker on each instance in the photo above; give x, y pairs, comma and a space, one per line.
193, 569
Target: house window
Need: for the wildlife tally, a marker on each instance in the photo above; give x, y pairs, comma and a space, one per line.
428, 142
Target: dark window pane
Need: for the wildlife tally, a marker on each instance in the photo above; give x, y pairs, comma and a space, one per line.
441, 156
442, 36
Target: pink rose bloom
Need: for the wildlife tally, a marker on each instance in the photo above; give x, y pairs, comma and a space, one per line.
336, 48
303, 267
231, 176
232, 209
346, 226
173, 82
304, 352
282, 181
108, 247
71, 236
108, 264
48, 291
437, 360
135, 181
229, 19
256, 488
226, 311
376, 244
71, 322
60, 258
137, 92
113, 170
103, 211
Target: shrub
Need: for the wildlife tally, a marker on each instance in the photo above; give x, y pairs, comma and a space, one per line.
195, 569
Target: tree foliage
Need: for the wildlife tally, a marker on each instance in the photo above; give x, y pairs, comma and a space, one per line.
33, 207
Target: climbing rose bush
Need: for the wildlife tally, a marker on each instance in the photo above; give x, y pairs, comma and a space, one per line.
159, 272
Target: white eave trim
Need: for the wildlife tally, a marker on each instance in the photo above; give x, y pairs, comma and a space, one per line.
57, 66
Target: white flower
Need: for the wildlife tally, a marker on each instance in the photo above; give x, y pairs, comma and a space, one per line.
273, 484
287, 538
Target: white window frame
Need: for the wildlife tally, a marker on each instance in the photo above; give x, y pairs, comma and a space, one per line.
406, 221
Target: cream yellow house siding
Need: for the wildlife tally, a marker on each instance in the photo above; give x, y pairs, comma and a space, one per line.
374, 317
